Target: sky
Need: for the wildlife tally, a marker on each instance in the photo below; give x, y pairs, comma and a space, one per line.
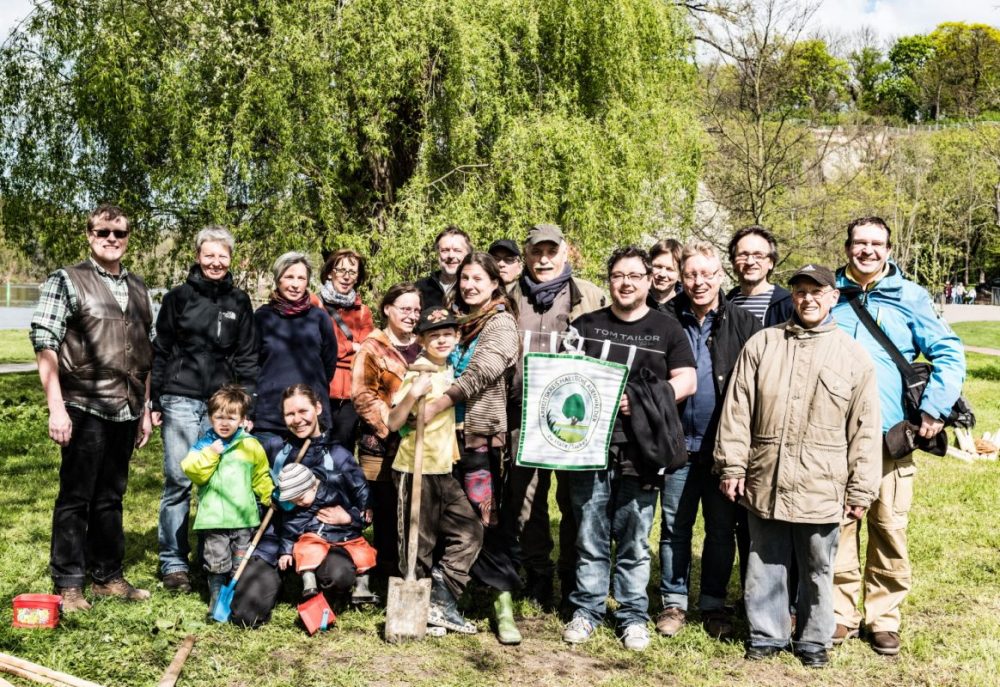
889, 17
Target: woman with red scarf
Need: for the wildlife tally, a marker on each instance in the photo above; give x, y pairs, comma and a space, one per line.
483, 363
297, 346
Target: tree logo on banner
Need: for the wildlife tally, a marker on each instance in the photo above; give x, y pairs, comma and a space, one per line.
567, 410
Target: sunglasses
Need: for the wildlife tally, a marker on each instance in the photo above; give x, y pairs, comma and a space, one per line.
105, 233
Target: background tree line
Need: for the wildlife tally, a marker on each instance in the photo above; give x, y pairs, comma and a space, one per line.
373, 124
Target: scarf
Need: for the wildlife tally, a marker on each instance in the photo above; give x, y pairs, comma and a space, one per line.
289, 308
470, 326
335, 298
544, 293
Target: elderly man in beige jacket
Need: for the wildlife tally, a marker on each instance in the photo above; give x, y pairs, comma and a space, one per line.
798, 444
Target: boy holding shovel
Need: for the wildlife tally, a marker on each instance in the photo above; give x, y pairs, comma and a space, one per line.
445, 510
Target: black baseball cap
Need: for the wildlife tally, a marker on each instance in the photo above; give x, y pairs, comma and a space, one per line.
504, 244
823, 276
435, 317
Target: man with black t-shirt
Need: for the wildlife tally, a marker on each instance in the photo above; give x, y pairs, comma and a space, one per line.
616, 503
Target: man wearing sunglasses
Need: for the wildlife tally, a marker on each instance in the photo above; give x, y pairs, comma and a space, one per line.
92, 335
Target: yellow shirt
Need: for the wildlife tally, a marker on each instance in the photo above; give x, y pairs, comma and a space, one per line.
440, 442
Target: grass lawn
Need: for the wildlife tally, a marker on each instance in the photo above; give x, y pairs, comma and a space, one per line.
951, 628
979, 334
15, 347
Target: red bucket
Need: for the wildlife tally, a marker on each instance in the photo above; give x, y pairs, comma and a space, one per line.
36, 610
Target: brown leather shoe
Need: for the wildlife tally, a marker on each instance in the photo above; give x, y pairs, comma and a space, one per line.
843, 633
177, 582
718, 623
121, 588
885, 643
73, 599
670, 621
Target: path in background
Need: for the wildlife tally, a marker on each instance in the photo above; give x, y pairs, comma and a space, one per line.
987, 351
971, 313
15, 318
9, 368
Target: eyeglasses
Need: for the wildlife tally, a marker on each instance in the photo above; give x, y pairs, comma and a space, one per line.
344, 272
758, 257
704, 276
876, 245
105, 233
618, 277
407, 311
800, 294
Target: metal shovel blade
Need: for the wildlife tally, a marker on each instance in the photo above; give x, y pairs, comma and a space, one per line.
406, 609
223, 605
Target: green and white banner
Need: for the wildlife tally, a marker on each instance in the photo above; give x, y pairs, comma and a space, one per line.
568, 412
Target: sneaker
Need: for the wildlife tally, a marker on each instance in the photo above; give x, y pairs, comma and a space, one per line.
121, 588
843, 633
717, 623
885, 643
577, 630
670, 621
635, 637
177, 582
73, 599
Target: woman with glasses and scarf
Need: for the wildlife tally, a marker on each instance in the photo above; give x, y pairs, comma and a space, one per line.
343, 273
297, 346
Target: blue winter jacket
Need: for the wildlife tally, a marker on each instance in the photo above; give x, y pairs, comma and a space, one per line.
904, 311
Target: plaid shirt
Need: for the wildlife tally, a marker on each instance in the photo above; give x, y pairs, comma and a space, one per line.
58, 302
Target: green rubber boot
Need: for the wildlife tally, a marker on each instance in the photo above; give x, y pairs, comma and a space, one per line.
503, 609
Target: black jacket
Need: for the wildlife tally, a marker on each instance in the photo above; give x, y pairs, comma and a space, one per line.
779, 309
205, 338
731, 328
430, 290
654, 431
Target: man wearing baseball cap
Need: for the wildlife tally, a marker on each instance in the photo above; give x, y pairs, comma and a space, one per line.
798, 446
508, 258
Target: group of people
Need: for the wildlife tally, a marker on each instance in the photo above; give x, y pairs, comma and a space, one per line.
775, 404
958, 294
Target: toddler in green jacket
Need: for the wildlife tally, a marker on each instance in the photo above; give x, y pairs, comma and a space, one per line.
232, 473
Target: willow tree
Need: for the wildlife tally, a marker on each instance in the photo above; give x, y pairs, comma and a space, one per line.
365, 123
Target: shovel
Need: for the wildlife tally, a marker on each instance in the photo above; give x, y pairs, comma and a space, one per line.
223, 605
408, 600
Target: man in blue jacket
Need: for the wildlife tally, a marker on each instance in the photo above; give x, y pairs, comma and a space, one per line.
904, 312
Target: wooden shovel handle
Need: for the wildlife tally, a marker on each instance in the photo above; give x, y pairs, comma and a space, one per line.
418, 466
265, 522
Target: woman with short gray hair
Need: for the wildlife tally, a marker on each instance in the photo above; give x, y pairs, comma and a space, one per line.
297, 346
204, 340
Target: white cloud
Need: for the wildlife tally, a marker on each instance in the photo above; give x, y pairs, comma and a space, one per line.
11, 14
894, 18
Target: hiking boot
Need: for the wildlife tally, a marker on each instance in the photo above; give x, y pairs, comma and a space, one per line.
443, 611
577, 630
635, 637
177, 582
843, 633
885, 643
73, 599
503, 610
813, 659
121, 588
670, 621
718, 623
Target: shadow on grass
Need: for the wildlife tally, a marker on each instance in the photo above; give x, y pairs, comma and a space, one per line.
987, 373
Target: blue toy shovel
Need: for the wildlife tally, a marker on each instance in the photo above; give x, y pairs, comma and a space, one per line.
223, 605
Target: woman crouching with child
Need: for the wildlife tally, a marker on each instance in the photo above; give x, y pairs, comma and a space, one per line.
329, 462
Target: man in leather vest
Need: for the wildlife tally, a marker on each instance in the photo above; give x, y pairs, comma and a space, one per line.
91, 333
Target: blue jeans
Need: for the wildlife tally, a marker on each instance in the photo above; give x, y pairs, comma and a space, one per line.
610, 506
184, 420
682, 492
774, 544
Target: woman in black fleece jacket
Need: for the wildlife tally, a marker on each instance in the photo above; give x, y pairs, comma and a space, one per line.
204, 340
